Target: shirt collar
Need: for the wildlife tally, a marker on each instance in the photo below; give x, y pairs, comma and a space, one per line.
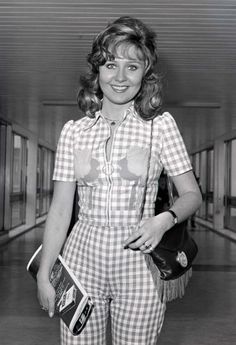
132, 112
90, 122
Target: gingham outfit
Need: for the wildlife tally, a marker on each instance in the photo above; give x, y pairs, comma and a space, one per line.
110, 198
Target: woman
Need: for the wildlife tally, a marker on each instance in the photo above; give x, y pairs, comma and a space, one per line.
108, 153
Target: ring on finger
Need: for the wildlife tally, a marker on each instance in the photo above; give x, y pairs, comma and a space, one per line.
144, 247
149, 246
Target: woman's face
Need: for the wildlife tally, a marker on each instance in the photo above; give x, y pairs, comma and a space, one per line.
121, 79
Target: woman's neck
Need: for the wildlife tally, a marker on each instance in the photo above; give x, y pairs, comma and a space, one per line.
114, 111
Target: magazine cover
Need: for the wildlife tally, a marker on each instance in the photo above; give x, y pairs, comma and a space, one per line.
72, 302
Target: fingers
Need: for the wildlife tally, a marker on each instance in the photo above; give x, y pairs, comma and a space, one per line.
47, 301
139, 240
51, 307
144, 246
133, 240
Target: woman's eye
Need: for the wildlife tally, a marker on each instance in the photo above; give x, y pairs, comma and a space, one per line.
133, 67
110, 65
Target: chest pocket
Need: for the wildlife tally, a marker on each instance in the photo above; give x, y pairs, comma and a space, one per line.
86, 167
133, 167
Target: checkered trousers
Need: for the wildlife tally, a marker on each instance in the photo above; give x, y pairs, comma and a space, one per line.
118, 280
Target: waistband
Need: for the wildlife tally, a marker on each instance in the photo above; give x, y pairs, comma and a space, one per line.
105, 224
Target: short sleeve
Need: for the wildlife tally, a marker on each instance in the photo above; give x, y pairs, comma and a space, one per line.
64, 161
174, 155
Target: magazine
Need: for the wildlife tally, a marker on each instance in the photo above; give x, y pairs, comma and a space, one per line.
72, 303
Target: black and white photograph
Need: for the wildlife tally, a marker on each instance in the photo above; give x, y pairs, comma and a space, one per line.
117, 172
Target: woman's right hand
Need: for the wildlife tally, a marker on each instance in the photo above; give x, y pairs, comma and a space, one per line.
46, 295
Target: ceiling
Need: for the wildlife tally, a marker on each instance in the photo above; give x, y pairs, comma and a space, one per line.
44, 44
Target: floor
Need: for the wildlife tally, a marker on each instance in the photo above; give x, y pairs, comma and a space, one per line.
205, 316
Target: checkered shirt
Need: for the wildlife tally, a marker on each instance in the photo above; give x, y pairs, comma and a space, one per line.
111, 190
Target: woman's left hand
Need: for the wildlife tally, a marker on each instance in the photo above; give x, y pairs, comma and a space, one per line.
149, 233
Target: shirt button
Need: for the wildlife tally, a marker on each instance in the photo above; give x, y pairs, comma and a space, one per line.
108, 169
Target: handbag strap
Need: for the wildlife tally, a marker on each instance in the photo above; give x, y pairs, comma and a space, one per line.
169, 183
147, 172
170, 190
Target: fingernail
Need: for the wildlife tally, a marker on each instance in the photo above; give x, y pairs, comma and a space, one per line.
50, 314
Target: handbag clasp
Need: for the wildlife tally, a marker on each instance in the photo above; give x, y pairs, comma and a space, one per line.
182, 259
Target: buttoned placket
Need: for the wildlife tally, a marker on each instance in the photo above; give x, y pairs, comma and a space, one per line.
108, 169
108, 157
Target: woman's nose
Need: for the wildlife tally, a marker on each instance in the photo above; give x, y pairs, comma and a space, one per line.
120, 75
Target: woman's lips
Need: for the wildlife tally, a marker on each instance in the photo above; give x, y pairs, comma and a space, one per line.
117, 88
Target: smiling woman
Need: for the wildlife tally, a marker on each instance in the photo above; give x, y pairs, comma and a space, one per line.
134, 43
117, 149
120, 79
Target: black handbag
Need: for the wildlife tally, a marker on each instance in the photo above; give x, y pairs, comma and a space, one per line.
176, 251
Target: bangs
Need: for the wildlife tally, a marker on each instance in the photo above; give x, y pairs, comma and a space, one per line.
124, 49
